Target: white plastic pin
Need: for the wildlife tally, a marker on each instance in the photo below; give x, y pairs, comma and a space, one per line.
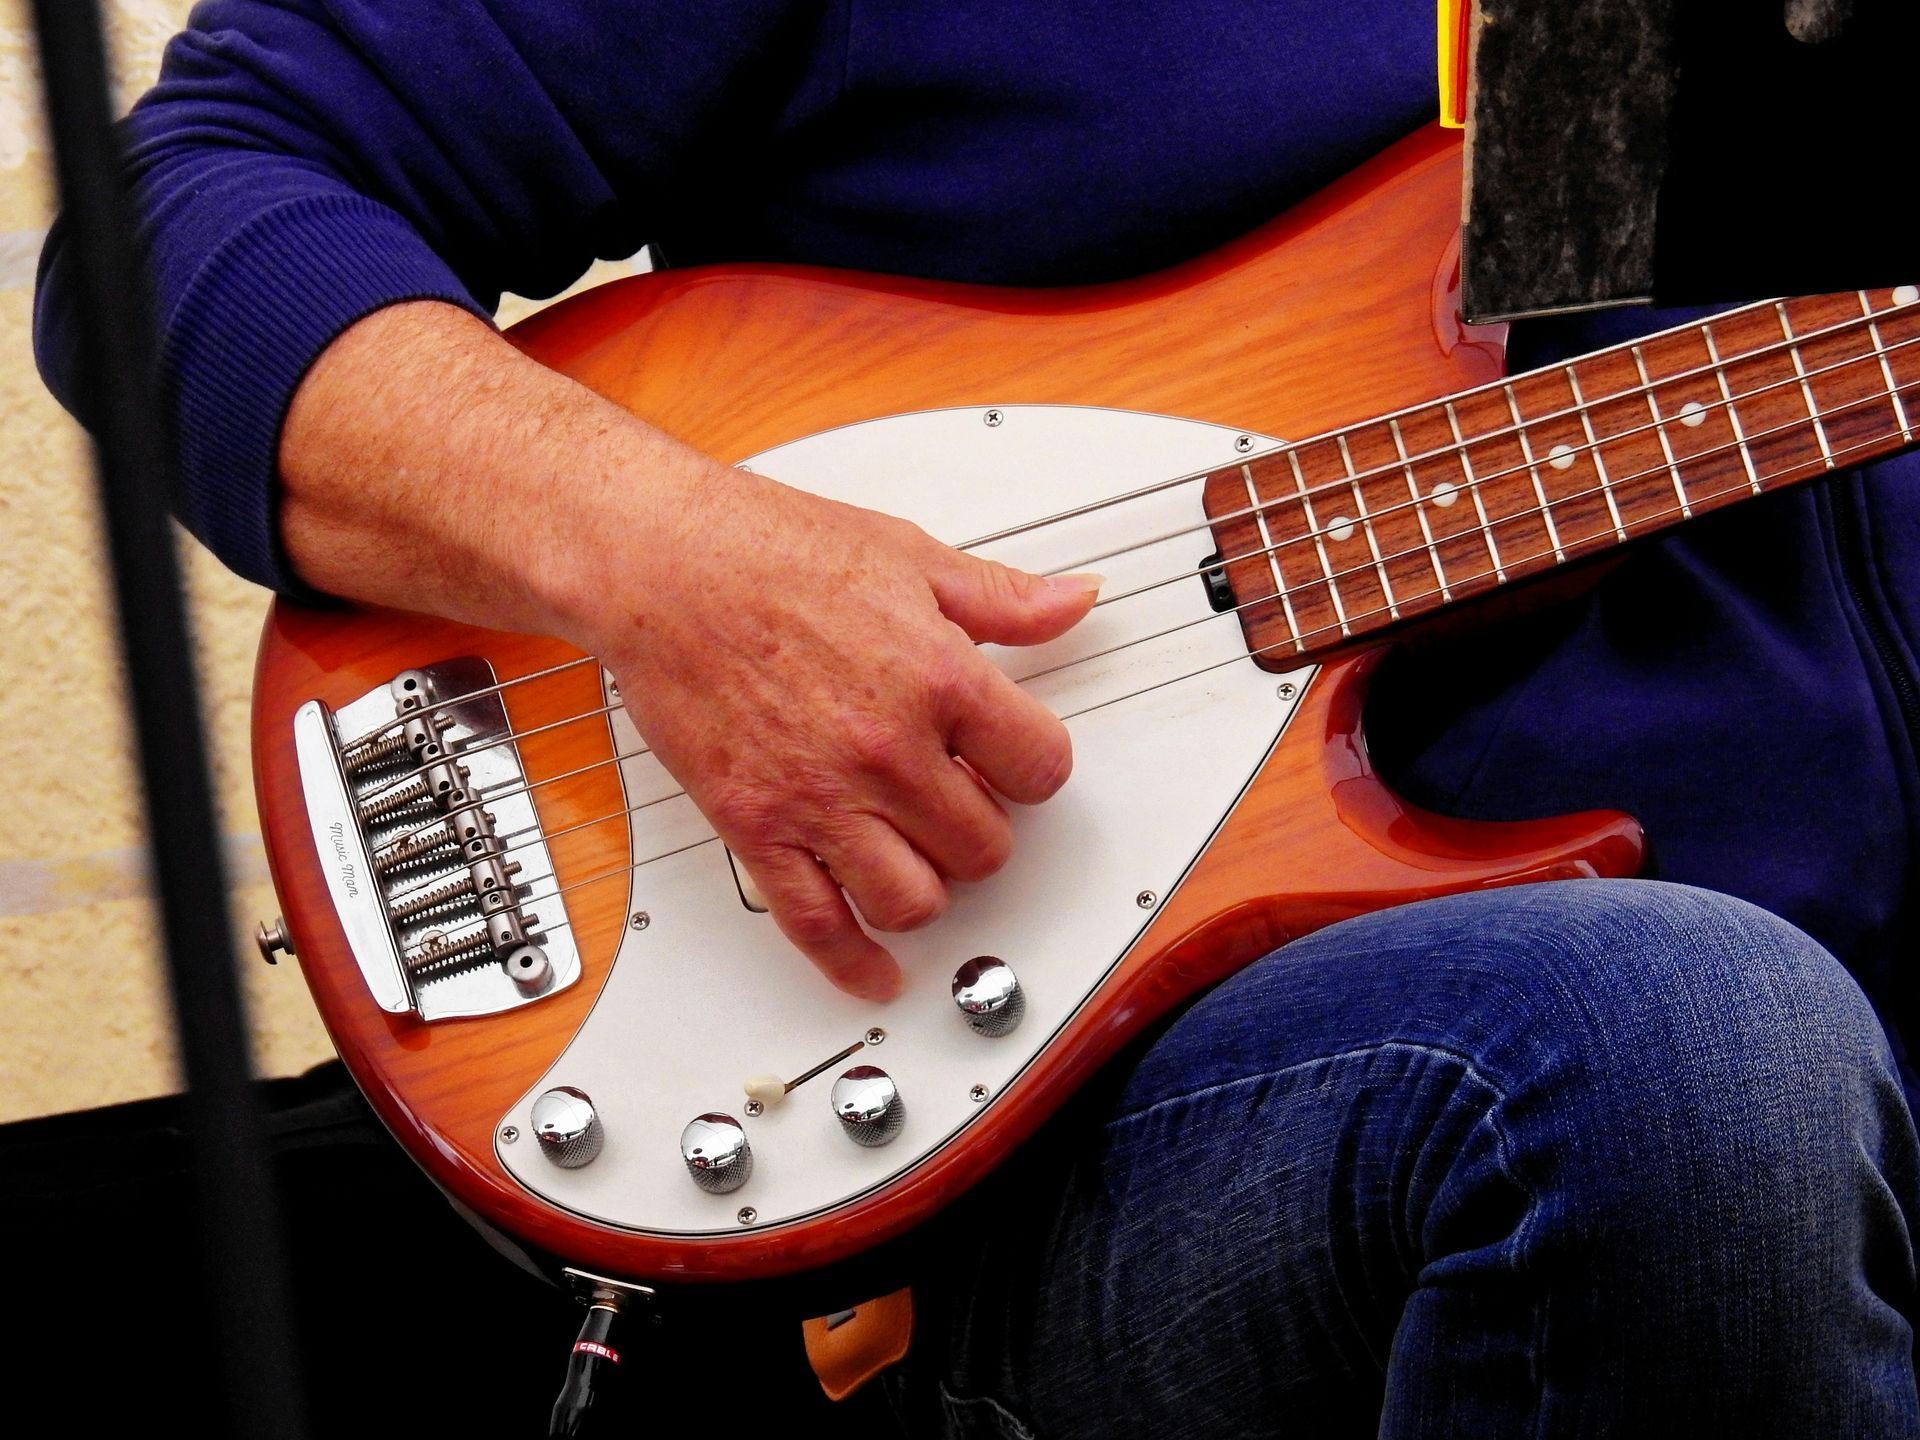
769, 1090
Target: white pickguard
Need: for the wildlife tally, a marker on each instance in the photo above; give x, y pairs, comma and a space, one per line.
709, 993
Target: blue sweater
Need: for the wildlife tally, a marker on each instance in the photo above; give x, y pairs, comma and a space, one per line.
1746, 687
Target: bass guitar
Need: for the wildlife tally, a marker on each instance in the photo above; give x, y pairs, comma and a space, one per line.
543, 968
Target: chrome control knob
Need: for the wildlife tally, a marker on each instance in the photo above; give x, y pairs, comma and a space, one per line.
717, 1153
989, 995
868, 1105
567, 1128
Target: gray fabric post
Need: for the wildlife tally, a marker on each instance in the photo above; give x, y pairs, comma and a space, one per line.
1686, 152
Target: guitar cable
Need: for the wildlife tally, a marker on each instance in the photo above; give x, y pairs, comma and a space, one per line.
592, 1357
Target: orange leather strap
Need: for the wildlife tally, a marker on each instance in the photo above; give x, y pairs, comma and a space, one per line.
850, 1348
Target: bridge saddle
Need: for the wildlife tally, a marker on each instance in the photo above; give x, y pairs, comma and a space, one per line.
432, 845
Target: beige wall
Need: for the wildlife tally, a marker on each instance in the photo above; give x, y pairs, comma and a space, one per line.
83, 1013
83, 1010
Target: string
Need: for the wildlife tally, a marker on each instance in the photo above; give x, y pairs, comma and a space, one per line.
1471, 482
360, 742
486, 796
1476, 479
1300, 640
1869, 318
506, 737
1329, 629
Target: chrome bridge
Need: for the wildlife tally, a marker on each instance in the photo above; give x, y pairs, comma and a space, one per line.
432, 846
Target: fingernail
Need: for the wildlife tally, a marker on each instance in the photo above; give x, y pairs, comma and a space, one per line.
1085, 583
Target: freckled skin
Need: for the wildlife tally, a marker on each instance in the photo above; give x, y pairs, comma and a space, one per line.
810, 682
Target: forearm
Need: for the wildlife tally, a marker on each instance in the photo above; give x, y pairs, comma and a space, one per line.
810, 681
427, 464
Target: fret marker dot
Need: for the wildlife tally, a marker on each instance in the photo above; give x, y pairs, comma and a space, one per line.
1444, 494
1906, 294
1340, 529
1561, 457
1693, 413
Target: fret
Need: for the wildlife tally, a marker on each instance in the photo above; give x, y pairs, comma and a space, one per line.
1898, 326
1561, 462
1267, 543
1660, 429
1327, 479
1473, 489
1519, 521
1395, 518
1593, 449
1366, 527
1533, 469
1637, 474
1733, 415
1319, 542
1806, 390
1419, 503
1279, 532
1567, 474
1687, 391
1886, 370
1430, 456
1254, 582
1840, 376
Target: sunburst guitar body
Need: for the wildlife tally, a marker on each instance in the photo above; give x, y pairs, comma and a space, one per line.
540, 965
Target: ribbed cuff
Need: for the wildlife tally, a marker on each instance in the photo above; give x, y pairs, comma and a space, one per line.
258, 313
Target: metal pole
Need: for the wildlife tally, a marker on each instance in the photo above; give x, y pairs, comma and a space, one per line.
252, 1352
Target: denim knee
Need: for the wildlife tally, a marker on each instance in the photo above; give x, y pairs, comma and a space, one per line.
1678, 1072
1662, 1008
1628, 1028
1570, 1158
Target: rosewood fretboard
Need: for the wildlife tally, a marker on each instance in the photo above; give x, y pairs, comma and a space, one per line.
1333, 538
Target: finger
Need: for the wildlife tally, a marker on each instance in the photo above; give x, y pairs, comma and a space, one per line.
889, 882
812, 912
997, 603
1015, 743
949, 815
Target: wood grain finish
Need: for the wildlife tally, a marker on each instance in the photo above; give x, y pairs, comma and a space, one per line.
1340, 310
1347, 535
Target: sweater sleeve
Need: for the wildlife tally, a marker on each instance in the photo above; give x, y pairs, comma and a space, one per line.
302, 163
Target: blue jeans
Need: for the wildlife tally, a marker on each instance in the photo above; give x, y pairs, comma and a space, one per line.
1574, 1159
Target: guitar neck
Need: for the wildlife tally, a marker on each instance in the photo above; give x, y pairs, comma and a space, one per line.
1331, 539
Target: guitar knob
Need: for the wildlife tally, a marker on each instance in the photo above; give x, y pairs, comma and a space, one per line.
868, 1105
567, 1128
989, 995
717, 1153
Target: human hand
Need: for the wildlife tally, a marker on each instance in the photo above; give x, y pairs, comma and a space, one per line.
808, 671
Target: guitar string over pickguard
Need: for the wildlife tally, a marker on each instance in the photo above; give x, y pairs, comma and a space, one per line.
683, 1053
